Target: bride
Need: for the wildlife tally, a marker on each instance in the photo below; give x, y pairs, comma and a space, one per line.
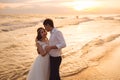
40, 67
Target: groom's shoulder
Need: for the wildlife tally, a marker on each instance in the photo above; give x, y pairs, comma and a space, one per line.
57, 31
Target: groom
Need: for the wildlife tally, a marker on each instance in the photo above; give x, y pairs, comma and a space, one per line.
56, 43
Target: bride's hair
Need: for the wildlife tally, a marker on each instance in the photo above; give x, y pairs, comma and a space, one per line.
39, 34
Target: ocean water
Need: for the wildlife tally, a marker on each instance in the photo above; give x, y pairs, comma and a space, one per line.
92, 46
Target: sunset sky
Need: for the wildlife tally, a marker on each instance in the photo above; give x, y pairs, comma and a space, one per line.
59, 6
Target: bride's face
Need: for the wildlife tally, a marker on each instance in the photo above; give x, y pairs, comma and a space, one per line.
43, 33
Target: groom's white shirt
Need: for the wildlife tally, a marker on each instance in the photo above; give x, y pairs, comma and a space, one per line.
56, 38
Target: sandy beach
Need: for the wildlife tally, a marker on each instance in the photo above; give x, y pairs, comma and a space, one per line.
92, 52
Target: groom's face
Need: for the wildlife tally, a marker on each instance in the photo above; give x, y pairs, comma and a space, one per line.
47, 27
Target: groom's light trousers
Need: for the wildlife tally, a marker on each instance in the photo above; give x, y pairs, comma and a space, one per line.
54, 67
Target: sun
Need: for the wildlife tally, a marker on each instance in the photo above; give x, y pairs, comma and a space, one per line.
83, 4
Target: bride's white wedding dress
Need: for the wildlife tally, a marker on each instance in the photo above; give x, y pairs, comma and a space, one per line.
40, 67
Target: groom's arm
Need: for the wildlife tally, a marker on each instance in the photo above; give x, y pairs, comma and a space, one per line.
59, 45
48, 48
61, 41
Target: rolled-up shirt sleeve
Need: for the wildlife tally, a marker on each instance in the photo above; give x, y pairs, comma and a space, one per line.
61, 41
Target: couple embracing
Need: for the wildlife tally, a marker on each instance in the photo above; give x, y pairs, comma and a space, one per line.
47, 64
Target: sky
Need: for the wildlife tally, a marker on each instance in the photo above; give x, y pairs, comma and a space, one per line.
59, 6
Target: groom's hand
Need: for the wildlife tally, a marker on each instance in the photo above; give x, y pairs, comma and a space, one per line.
47, 48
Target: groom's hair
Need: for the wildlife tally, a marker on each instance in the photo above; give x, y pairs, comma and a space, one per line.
49, 22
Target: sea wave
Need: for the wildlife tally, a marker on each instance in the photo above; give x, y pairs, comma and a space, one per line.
89, 55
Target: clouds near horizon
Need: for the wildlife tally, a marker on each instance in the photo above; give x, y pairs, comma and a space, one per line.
51, 6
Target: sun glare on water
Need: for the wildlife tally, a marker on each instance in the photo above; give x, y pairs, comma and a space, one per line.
84, 4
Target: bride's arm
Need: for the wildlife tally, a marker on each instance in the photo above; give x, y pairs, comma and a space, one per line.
40, 50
